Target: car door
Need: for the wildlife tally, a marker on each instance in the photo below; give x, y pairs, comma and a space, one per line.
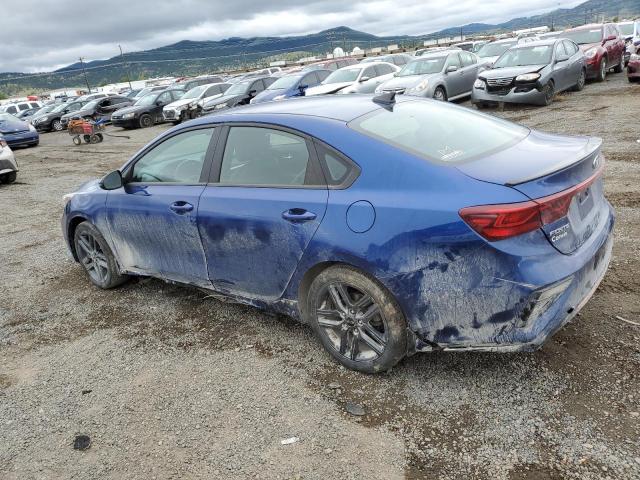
575, 62
152, 219
469, 70
165, 98
265, 201
455, 83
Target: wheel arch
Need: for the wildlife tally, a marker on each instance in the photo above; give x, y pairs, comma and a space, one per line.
72, 225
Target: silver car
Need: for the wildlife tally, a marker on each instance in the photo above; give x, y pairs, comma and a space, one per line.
532, 73
361, 78
8, 164
445, 75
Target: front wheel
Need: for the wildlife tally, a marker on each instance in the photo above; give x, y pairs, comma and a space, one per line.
96, 257
357, 320
549, 93
440, 94
57, 126
8, 177
145, 121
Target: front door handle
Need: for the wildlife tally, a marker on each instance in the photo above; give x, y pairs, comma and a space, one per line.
181, 207
298, 215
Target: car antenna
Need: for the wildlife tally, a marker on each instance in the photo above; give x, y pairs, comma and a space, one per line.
387, 99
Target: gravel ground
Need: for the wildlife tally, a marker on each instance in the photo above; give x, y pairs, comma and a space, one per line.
168, 383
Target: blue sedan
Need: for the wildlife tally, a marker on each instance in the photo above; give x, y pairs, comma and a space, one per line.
18, 133
389, 225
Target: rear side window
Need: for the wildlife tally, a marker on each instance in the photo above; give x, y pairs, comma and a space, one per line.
417, 127
12, 109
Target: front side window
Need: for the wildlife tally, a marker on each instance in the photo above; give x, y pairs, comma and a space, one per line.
453, 61
369, 72
468, 59
263, 156
178, 159
417, 128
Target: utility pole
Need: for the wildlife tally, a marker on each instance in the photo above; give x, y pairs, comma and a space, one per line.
85, 74
126, 68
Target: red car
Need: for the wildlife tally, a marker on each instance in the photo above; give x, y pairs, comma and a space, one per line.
633, 67
603, 45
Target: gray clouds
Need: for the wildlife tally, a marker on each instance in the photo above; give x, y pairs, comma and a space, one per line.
43, 35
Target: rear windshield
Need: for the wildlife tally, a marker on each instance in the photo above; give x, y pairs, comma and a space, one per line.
584, 36
417, 127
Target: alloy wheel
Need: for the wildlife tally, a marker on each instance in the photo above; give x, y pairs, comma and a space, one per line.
603, 69
57, 125
352, 321
582, 79
92, 257
439, 95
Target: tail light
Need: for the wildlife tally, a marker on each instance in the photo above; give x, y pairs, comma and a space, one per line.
498, 222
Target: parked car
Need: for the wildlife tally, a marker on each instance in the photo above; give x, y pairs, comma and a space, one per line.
334, 64
293, 85
397, 59
214, 92
360, 78
91, 96
470, 46
631, 33
50, 121
147, 90
98, 109
8, 164
17, 107
491, 51
147, 111
26, 115
445, 75
17, 133
189, 106
239, 93
603, 46
633, 68
196, 82
532, 73
389, 226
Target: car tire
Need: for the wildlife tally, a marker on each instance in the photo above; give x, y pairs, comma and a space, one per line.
57, 126
549, 92
582, 80
8, 177
602, 70
357, 320
96, 257
619, 68
440, 94
145, 121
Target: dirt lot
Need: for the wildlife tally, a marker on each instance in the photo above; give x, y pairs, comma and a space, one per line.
171, 384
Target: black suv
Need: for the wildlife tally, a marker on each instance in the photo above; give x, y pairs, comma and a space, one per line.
98, 109
239, 93
147, 111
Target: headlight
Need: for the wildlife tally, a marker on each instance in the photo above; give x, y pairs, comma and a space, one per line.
591, 52
279, 97
220, 106
40, 120
32, 128
479, 83
421, 86
128, 115
66, 198
528, 77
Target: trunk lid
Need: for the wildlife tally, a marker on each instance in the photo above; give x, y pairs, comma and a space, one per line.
562, 174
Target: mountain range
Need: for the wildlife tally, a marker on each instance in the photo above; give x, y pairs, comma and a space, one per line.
195, 57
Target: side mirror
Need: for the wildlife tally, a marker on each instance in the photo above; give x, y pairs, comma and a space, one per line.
159, 103
452, 68
112, 181
252, 93
302, 88
364, 79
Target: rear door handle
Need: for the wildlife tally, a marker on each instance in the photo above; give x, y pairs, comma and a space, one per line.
181, 207
298, 215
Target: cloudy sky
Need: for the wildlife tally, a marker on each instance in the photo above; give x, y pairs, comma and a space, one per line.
40, 35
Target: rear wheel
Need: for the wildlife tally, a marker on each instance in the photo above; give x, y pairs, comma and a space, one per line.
440, 94
549, 92
357, 320
8, 177
57, 126
96, 257
145, 121
602, 70
619, 68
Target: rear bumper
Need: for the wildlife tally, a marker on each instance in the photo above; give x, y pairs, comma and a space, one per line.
532, 97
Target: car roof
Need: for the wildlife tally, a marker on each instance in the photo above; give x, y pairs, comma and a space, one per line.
441, 53
505, 40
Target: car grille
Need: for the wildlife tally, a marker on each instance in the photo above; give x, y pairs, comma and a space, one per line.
501, 86
397, 90
168, 114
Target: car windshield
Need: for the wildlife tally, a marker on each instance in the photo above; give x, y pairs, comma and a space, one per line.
495, 49
195, 92
238, 88
285, 82
626, 28
146, 100
343, 75
584, 36
417, 127
424, 66
520, 57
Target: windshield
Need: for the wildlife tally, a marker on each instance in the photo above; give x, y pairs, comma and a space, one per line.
423, 66
582, 37
146, 100
495, 49
341, 76
195, 92
520, 57
626, 28
417, 128
238, 89
285, 82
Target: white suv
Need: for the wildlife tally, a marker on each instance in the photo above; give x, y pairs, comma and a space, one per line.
18, 107
8, 165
